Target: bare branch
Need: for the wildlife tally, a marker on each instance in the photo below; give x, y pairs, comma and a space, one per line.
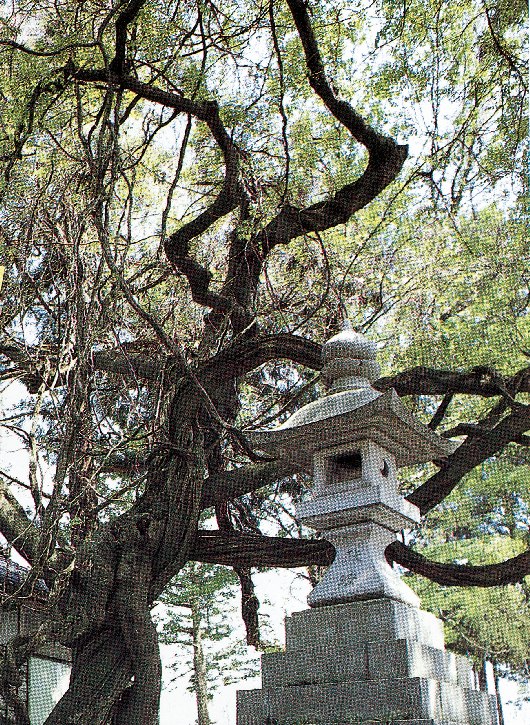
441, 411
176, 245
471, 453
16, 526
385, 161
46, 53
478, 381
125, 18
238, 549
342, 110
246, 355
127, 361
232, 484
490, 575
251, 550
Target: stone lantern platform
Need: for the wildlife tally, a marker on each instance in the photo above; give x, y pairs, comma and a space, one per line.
378, 661
365, 652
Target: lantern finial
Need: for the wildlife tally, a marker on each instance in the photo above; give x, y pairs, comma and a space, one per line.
349, 361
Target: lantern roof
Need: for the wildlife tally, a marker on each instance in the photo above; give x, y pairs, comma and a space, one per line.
352, 411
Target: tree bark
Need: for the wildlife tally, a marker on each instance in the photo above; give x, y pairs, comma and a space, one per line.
120, 570
199, 666
482, 675
101, 672
498, 698
471, 453
510, 571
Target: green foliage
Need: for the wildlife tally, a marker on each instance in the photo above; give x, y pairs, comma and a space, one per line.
469, 302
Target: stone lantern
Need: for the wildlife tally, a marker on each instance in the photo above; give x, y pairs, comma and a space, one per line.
353, 440
364, 651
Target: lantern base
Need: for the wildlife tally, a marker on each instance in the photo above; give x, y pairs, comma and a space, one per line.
371, 662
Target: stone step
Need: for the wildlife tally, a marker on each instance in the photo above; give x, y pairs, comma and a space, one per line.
363, 721
409, 700
367, 661
308, 667
381, 620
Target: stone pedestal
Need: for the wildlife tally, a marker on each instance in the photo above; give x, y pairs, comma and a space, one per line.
379, 661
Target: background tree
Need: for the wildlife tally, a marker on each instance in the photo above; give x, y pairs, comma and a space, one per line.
199, 615
190, 202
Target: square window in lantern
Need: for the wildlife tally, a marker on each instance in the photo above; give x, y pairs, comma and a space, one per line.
344, 467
